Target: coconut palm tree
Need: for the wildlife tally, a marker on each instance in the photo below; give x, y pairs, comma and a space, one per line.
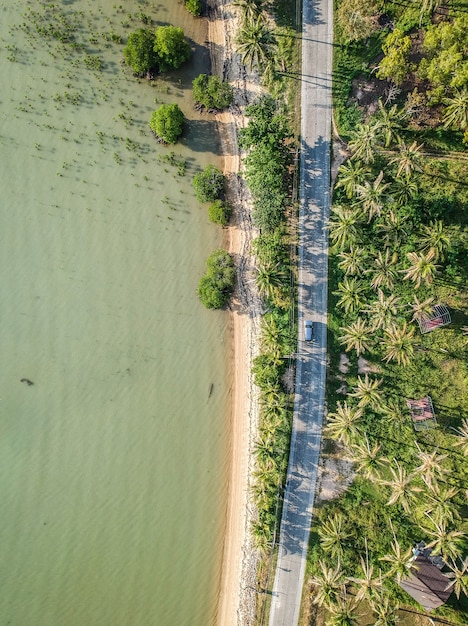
382, 310
329, 584
394, 414
353, 262
390, 123
350, 175
393, 228
342, 614
270, 333
456, 110
404, 190
384, 271
372, 196
333, 534
400, 562
421, 308
435, 237
250, 9
344, 226
385, 611
447, 542
403, 490
398, 344
261, 536
462, 441
350, 290
408, 159
269, 278
459, 575
367, 391
364, 141
439, 503
357, 336
342, 423
256, 43
422, 269
431, 465
368, 460
368, 585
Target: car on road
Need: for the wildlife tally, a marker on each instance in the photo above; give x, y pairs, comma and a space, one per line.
308, 330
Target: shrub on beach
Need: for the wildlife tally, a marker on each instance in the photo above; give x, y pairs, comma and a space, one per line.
167, 122
208, 184
195, 7
219, 212
211, 92
165, 49
216, 286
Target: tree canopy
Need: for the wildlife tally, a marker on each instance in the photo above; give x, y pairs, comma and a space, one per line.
139, 52
211, 92
208, 184
215, 287
167, 122
171, 48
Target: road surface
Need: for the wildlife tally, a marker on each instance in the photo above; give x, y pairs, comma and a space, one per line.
314, 196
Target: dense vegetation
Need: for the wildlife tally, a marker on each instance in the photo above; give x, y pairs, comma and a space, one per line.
399, 238
195, 7
219, 212
167, 122
209, 184
211, 92
164, 49
217, 284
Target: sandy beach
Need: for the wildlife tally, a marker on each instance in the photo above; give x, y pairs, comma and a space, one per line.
236, 606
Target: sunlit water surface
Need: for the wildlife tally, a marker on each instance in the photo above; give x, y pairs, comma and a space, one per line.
113, 463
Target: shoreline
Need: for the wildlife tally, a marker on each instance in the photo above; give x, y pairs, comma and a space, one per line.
237, 597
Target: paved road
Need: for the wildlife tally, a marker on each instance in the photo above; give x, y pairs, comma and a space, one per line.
313, 267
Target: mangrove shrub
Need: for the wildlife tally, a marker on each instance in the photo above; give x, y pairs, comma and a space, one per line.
167, 122
219, 212
171, 48
216, 286
208, 184
195, 7
211, 92
139, 52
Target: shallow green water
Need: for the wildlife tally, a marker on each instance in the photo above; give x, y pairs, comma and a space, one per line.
113, 464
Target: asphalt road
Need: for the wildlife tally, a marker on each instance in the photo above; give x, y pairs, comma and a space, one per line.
317, 33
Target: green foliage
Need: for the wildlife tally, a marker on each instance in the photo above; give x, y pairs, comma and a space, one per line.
171, 48
167, 122
211, 92
219, 212
358, 19
208, 184
139, 52
216, 286
394, 65
195, 7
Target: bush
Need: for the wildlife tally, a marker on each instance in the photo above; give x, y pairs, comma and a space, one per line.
208, 184
170, 47
216, 286
139, 52
167, 122
211, 92
219, 212
195, 7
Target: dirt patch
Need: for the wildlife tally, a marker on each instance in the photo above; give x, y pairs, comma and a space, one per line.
364, 367
335, 474
344, 363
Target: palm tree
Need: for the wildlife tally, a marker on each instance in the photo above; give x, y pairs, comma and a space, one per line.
422, 268
404, 190
402, 490
368, 585
400, 562
383, 309
440, 504
384, 270
367, 391
256, 43
446, 542
431, 465
385, 611
350, 175
462, 433
368, 460
393, 227
421, 309
269, 278
351, 291
341, 424
408, 159
357, 336
250, 9
270, 333
363, 142
342, 614
394, 414
344, 226
434, 237
332, 534
262, 537
398, 344
456, 111
353, 261
372, 195
459, 575
389, 123
329, 584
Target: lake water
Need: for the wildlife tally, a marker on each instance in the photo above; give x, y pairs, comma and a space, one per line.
113, 464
